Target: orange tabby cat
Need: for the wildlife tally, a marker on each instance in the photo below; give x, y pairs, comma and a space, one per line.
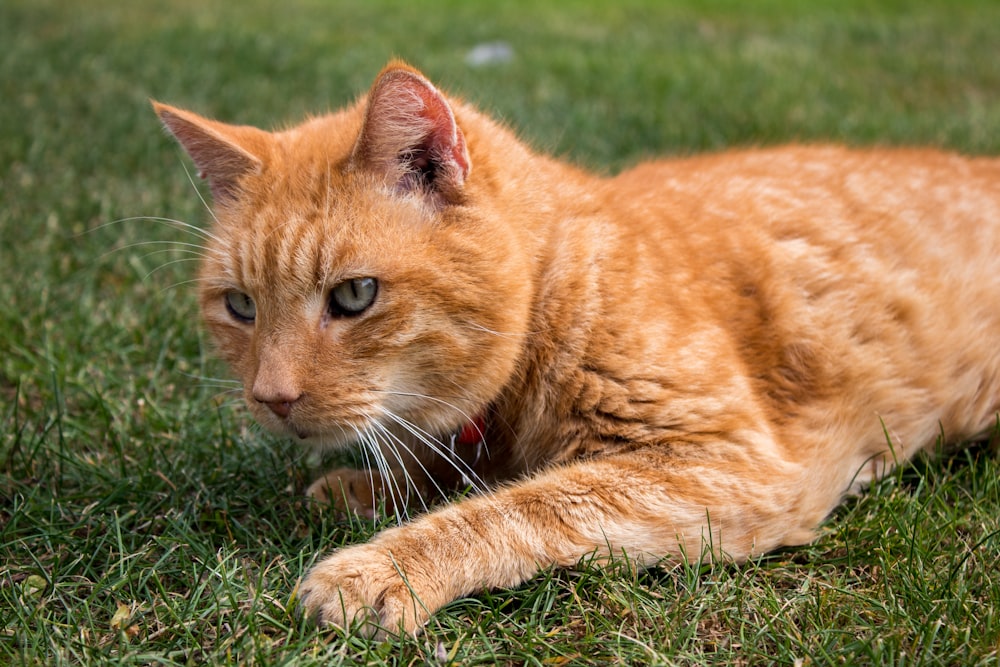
695, 358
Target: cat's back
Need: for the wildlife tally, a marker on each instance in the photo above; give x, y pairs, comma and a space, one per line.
874, 273
919, 209
863, 188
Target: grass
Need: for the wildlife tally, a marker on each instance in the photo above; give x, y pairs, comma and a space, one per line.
145, 521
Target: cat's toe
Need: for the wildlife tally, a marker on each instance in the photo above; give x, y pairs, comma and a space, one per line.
329, 604
359, 590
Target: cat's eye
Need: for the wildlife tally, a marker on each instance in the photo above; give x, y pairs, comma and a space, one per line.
241, 306
352, 297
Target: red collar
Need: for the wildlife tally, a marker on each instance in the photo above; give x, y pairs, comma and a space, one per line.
473, 431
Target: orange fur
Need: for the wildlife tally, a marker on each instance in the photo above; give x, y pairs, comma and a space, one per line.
707, 351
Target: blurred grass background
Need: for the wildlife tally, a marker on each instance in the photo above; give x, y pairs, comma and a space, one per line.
144, 520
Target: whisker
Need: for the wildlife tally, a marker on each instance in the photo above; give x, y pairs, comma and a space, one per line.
226, 391
163, 266
190, 251
222, 397
387, 442
500, 334
433, 399
368, 447
442, 451
190, 256
233, 403
371, 476
389, 434
187, 227
390, 484
190, 281
223, 390
187, 172
193, 280
468, 474
175, 246
206, 378
425, 397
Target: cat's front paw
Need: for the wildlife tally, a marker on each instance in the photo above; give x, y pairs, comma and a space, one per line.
365, 589
351, 491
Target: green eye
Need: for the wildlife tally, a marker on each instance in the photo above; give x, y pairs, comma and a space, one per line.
352, 297
241, 306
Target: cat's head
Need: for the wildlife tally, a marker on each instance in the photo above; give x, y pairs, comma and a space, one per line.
358, 271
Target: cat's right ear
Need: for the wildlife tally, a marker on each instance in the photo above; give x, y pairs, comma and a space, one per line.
223, 153
411, 137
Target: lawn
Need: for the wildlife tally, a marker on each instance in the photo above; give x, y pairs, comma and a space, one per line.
144, 519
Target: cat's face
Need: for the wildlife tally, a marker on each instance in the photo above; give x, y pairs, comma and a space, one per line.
348, 293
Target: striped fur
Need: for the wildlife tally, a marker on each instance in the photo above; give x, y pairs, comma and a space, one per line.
695, 358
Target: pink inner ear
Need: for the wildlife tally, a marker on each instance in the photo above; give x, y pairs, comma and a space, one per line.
446, 138
408, 116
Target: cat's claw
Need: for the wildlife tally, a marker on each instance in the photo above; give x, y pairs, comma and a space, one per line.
361, 589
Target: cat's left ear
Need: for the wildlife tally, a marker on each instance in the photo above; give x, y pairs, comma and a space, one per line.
224, 154
410, 136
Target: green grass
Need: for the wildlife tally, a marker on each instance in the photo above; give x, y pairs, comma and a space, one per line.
145, 520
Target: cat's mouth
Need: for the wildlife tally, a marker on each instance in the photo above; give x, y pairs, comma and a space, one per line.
350, 427
306, 424
339, 436
323, 435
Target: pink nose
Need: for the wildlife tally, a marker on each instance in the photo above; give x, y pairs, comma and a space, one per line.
275, 386
280, 408
279, 402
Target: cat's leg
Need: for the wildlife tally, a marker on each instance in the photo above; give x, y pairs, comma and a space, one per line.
647, 504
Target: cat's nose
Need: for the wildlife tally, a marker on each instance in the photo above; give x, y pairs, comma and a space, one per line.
275, 385
280, 408
278, 402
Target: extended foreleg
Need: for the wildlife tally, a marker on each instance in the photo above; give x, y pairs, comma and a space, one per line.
646, 505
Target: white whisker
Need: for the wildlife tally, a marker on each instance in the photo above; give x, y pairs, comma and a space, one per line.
223, 396
218, 381
433, 399
425, 397
173, 246
170, 263
388, 433
190, 281
500, 334
387, 443
187, 172
390, 484
468, 474
371, 477
187, 227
